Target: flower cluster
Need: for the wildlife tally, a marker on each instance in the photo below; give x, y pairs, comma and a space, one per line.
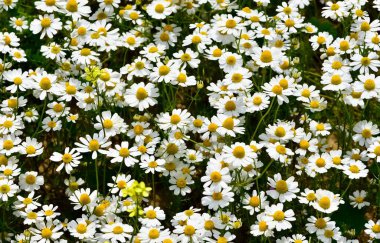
189, 121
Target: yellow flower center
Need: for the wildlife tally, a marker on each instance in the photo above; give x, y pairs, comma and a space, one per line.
217, 196
151, 214
163, 70
45, 83
281, 186
231, 60
336, 64
369, 84
335, 6
366, 133
154, 233
320, 162
93, 145
181, 182
336, 79
196, 39
72, 6
81, 228
7, 124
277, 89
376, 228
17, 81
159, 8
365, 26
84, 199
329, 233
354, 169
172, 148
320, 127
263, 226
209, 225
324, 202
4, 189
215, 176
279, 215
311, 197
181, 78
8, 172
55, 49
266, 56
85, 52
344, 45
189, 230
304, 144
117, 230
239, 152
49, 212
45, 22
108, 123
131, 40
71, 89
217, 52
230, 105
228, 123
230, 23
46, 233
254, 201
280, 149
19, 22
67, 158
280, 132
30, 179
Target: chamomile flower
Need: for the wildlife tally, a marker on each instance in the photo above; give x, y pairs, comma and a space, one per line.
257, 102
230, 61
282, 190
84, 199
261, 226
94, 144
373, 229
20, 80
46, 231
358, 199
365, 63
368, 85
326, 201
48, 6
84, 56
19, 23
141, 95
239, 154
53, 51
82, 228
255, 202
47, 25
179, 119
31, 147
69, 159
75, 8
159, 9
152, 216
180, 183
110, 124
187, 58
278, 218
365, 132
30, 181
152, 165
7, 189
355, 169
